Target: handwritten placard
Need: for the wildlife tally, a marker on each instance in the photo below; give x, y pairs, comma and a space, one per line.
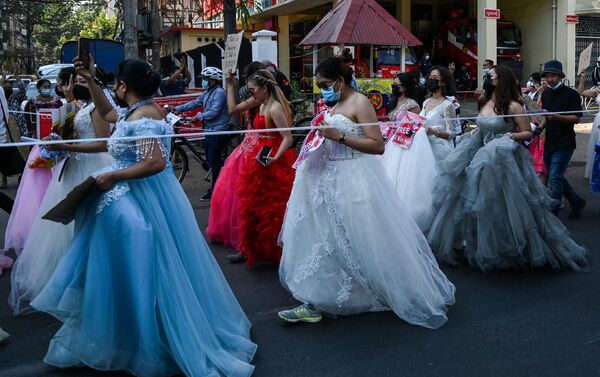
585, 58
232, 51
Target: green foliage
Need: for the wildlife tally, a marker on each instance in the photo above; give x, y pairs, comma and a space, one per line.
245, 11
66, 22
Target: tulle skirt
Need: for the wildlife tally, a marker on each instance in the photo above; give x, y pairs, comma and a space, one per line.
48, 240
412, 172
591, 154
31, 191
489, 200
263, 193
224, 218
140, 291
351, 247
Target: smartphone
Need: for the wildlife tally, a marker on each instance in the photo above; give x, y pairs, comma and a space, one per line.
263, 154
83, 51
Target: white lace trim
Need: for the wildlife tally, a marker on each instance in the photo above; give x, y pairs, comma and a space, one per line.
112, 196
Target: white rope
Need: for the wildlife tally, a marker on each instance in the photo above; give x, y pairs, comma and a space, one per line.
266, 130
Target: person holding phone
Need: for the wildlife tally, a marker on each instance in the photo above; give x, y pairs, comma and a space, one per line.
349, 246
144, 292
265, 182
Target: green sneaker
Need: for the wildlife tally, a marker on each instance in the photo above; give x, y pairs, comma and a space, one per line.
303, 313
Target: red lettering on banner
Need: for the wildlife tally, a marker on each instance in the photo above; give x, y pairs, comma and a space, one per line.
491, 13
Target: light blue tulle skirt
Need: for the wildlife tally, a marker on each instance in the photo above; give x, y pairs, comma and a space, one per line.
139, 290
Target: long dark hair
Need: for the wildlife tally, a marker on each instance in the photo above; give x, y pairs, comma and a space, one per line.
506, 91
332, 68
139, 77
448, 89
264, 78
408, 82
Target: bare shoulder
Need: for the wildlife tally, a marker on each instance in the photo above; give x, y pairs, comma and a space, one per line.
515, 108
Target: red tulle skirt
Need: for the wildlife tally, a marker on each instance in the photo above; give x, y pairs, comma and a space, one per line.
224, 218
263, 193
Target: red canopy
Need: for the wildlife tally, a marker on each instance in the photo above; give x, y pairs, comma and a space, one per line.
360, 22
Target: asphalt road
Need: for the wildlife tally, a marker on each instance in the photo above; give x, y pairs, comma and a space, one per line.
539, 323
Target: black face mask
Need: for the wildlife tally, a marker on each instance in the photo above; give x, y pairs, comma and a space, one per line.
81, 92
488, 86
396, 92
432, 85
59, 93
331, 104
8, 93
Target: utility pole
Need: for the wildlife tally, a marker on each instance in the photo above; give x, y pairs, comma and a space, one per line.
130, 39
155, 35
229, 21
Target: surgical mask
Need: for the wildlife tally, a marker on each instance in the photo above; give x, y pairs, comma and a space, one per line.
204, 84
486, 71
396, 91
329, 95
488, 86
555, 86
422, 81
433, 85
46, 92
530, 84
81, 92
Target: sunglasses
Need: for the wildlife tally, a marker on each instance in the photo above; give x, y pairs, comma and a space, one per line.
325, 84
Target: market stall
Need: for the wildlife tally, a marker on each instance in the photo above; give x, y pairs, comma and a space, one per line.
361, 25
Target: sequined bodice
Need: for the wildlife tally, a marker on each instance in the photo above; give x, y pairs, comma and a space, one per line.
493, 127
84, 126
339, 151
128, 152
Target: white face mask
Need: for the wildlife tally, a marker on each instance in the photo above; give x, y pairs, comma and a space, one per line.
530, 84
486, 71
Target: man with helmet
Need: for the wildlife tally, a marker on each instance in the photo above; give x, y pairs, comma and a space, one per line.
214, 117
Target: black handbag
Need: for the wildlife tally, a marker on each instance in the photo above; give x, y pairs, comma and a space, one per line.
11, 161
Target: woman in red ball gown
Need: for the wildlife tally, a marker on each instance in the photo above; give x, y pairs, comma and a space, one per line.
264, 188
224, 220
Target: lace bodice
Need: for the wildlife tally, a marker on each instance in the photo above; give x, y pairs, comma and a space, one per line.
403, 106
84, 127
129, 152
493, 127
339, 151
440, 117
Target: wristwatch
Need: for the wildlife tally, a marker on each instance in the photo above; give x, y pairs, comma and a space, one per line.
342, 140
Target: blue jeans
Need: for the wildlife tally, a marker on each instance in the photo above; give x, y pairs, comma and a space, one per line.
214, 146
557, 161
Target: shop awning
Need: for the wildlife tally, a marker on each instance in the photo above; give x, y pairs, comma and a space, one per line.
285, 8
360, 22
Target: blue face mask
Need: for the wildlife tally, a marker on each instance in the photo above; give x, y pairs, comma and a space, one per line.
46, 92
204, 84
555, 86
329, 95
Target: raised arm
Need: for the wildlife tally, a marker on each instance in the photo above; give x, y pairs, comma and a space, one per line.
232, 106
592, 92
103, 106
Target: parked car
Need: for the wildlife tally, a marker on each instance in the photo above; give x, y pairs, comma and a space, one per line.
51, 70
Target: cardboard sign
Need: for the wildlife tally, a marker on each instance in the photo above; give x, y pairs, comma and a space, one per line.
232, 51
47, 119
585, 58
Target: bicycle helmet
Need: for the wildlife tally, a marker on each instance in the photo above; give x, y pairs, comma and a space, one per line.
212, 73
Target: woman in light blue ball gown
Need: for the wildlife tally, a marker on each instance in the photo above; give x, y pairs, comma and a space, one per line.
139, 290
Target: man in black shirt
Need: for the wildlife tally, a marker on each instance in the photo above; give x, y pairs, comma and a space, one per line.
560, 136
